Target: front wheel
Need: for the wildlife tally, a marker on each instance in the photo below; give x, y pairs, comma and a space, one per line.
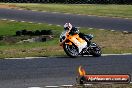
71, 50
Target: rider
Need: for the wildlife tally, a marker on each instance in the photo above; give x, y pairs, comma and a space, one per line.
73, 30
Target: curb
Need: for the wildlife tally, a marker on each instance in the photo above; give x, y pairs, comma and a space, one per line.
62, 56
26, 58
116, 54
66, 86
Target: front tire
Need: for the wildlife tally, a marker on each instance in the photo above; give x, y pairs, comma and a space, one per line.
71, 50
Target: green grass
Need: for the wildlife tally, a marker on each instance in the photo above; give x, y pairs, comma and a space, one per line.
9, 28
87, 9
111, 42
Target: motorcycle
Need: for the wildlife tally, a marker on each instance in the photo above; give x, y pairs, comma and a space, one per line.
74, 45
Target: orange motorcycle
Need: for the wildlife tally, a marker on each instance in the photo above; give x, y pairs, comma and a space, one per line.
74, 45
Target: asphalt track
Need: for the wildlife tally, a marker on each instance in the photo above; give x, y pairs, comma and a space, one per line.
60, 18
55, 71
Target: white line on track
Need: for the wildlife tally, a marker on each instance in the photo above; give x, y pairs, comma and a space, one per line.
90, 15
50, 24
116, 54
58, 25
3, 19
43, 11
34, 57
23, 21
39, 23
125, 31
12, 20
33, 10
26, 58
112, 30
90, 28
35, 87
101, 29
67, 13
30, 22
14, 58
66, 85
126, 18
55, 12
88, 84
79, 14
20, 9
52, 87
46, 57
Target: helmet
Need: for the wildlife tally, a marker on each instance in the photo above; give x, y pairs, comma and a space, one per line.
67, 26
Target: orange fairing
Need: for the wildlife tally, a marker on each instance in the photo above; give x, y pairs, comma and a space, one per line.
67, 37
81, 71
76, 39
73, 39
69, 43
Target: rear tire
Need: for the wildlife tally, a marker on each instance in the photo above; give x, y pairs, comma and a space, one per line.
71, 50
97, 52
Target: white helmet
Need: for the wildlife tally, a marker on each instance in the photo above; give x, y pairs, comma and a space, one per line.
67, 26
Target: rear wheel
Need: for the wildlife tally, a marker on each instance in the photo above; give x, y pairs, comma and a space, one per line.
71, 50
97, 51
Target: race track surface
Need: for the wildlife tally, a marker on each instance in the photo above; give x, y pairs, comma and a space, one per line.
60, 18
57, 71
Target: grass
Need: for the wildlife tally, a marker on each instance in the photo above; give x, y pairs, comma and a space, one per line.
86, 9
8, 28
111, 42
